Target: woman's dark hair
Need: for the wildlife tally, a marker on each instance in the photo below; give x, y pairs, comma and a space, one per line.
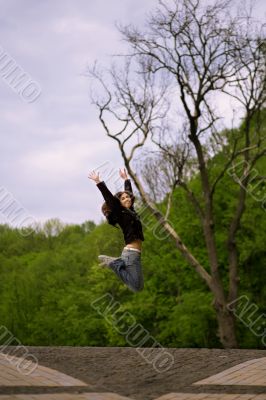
132, 197
109, 213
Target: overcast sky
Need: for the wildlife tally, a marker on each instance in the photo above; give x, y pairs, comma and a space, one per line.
49, 145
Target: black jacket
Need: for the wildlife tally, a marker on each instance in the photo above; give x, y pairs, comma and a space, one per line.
128, 219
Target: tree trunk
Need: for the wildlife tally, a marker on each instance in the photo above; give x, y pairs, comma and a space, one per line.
226, 326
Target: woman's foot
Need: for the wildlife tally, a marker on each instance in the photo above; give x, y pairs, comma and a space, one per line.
105, 260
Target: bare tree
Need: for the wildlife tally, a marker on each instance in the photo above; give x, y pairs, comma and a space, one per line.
187, 53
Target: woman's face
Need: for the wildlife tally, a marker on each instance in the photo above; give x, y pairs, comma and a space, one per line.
125, 200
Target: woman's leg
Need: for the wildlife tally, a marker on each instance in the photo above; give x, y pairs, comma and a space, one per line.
128, 269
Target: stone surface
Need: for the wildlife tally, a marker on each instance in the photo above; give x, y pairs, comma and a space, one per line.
252, 372
94, 373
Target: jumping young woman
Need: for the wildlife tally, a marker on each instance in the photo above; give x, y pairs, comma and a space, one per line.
118, 209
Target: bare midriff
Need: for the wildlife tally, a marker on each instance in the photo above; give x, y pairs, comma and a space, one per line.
136, 244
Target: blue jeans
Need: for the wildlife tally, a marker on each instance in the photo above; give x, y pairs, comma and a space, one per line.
128, 269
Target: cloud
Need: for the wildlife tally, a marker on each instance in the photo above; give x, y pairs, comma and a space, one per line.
48, 146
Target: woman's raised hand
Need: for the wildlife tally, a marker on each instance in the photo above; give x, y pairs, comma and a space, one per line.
123, 173
94, 176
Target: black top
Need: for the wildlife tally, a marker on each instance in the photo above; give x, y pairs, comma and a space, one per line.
128, 219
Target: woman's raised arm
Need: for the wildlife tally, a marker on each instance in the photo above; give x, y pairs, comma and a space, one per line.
94, 176
127, 183
111, 200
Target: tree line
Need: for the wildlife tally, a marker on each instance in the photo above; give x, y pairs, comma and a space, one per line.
51, 278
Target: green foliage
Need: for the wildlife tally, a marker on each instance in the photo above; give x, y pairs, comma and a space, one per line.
50, 278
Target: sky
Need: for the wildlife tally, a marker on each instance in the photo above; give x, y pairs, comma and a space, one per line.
51, 136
